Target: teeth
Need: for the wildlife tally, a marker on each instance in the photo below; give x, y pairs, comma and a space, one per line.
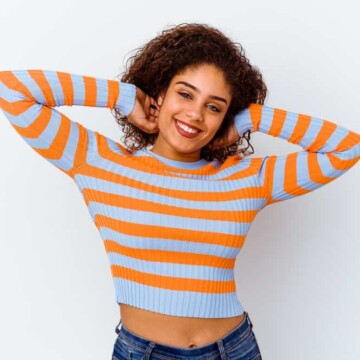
187, 129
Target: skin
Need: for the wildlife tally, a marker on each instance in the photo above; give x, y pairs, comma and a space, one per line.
199, 109
194, 107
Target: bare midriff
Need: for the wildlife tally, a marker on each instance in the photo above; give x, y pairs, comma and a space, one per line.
182, 332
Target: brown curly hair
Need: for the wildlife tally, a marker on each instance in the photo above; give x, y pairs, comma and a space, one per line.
188, 45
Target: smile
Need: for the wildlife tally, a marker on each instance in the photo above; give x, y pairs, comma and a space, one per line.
185, 130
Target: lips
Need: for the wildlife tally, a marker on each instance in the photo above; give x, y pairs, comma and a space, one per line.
190, 126
184, 133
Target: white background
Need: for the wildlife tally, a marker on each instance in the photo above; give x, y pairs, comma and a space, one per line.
298, 275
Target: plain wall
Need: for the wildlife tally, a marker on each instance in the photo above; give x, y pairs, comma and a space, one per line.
298, 275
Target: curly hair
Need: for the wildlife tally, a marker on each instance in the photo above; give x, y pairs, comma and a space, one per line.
183, 46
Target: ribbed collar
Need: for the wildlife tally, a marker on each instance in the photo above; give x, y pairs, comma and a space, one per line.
178, 164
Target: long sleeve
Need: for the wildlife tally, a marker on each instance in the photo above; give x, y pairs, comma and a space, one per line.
329, 151
27, 98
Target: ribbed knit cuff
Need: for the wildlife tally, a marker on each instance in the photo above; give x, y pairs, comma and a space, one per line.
242, 121
127, 97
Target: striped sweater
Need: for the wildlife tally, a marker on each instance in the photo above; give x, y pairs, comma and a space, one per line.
172, 230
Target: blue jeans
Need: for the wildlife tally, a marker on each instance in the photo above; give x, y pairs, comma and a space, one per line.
239, 344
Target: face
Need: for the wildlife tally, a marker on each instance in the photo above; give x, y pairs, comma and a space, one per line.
191, 112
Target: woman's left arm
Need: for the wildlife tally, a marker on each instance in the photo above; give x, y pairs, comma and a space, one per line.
329, 150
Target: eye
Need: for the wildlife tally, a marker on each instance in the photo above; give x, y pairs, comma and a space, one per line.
214, 108
185, 95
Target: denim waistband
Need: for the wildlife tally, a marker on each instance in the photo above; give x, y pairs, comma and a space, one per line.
235, 335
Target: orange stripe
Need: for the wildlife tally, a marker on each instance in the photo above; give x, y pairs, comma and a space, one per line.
36, 128
290, 182
164, 232
251, 170
173, 283
148, 163
350, 140
277, 122
322, 137
113, 93
167, 256
67, 87
339, 164
269, 177
56, 149
241, 193
145, 205
255, 115
302, 125
315, 172
82, 146
11, 81
39, 77
90, 91
15, 108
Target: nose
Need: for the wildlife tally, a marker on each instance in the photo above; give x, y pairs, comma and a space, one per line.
194, 113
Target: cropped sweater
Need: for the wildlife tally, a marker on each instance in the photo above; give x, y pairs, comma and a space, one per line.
172, 230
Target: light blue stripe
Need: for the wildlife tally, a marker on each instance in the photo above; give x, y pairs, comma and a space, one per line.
10, 95
47, 137
278, 181
53, 80
221, 174
303, 179
266, 119
79, 89
186, 271
24, 77
350, 154
171, 221
87, 182
180, 164
240, 166
113, 145
26, 118
127, 97
101, 92
337, 136
92, 148
175, 183
311, 133
326, 167
263, 166
176, 302
148, 243
67, 159
289, 125
242, 121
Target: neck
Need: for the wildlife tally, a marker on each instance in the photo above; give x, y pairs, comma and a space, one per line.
170, 153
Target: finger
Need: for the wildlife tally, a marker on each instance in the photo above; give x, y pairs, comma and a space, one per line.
152, 128
153, 108
153, 103
147, 104
147, 126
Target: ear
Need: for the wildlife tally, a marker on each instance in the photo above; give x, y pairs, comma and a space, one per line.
160, 99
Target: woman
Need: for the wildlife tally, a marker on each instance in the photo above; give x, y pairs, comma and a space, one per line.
174, 217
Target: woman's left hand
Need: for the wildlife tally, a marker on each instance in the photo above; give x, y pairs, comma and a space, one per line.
229, 138
144, 114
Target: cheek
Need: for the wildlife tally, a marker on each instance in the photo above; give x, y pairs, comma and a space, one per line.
216, 126
164, 121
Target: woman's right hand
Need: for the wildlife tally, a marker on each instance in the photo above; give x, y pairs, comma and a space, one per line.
145, 113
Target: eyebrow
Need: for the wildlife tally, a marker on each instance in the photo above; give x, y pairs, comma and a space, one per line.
196, 89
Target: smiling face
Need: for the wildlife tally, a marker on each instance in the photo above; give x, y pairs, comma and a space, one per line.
191, 112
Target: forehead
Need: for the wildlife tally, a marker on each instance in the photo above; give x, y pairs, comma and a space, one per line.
207, 78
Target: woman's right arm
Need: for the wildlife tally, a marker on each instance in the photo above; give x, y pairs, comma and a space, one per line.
27, 98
